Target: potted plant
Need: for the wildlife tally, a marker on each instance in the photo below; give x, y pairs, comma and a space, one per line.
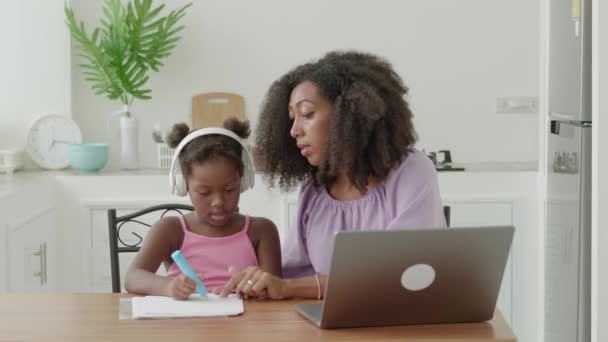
131, 41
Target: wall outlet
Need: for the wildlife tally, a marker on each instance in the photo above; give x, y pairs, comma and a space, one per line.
521, 104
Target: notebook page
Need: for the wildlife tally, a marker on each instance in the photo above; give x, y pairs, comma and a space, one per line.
195, 306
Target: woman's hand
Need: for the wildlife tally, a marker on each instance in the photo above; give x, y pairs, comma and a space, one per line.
181, 287
254, 282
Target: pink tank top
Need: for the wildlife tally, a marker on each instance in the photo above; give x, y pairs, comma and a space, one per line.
211, 256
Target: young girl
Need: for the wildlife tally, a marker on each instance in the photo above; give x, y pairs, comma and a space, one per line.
215, 169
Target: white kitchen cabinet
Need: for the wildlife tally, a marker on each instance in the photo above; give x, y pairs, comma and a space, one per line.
29, 235
33, 253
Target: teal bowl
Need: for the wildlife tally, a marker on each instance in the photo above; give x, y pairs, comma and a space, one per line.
88, 158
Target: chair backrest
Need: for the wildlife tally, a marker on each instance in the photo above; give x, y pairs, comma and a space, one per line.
119, 245
447, 211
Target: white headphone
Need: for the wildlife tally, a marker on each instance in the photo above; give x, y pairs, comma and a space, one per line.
177, 183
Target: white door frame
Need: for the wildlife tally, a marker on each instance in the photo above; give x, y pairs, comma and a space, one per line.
599, 271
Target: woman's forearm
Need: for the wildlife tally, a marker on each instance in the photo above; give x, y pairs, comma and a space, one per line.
306, 287
144, 282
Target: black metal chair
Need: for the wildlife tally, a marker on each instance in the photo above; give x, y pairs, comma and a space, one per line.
447, 211
115, 224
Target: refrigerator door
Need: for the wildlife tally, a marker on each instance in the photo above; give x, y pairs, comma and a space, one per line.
570, 60
568, 235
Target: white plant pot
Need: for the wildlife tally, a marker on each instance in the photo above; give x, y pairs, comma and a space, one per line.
128, 143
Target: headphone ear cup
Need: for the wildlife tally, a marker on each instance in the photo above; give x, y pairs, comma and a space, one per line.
244, 185
247, 181
180, 185
176, 179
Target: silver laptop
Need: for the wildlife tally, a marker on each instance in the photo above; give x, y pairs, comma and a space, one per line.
404, 277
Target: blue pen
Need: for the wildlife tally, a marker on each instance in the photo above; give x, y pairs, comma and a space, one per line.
186, 269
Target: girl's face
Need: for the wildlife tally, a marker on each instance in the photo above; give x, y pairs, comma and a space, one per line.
214, 188
310, 113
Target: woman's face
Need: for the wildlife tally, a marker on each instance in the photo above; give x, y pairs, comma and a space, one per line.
214, 188
310, 114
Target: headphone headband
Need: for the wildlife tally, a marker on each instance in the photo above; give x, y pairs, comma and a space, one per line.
178, 184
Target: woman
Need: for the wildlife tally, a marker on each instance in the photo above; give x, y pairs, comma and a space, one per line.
341, 128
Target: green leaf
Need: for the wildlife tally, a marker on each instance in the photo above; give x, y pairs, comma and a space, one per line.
154, 12
132, 40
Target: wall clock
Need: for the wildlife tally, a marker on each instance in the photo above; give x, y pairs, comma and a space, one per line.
48, 139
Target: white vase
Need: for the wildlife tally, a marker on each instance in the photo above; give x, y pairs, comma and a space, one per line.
128, 143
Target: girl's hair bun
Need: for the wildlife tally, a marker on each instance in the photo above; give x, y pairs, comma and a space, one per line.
240, 128
177, 134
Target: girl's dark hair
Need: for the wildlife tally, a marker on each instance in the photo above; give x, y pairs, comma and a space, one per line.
208, 147
370, 128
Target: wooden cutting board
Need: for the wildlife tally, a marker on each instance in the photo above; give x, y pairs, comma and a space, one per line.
211, 109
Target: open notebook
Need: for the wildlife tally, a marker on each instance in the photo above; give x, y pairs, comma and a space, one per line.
195, 306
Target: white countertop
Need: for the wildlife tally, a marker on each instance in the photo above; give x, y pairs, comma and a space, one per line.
499, 167
469, 167
14, 181
11, 182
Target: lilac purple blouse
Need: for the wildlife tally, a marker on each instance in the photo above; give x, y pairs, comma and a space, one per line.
407, 198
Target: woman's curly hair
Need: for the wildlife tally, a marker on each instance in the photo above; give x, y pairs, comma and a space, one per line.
370, 128
208, 147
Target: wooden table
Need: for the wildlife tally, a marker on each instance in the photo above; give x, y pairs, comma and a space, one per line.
95, 317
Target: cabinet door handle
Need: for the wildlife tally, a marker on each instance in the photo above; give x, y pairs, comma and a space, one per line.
41, 272
44, 275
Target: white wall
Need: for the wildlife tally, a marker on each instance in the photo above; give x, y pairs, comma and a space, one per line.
456, 56
35, 66
599, 271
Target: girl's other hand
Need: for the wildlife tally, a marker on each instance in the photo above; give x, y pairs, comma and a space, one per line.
230, 286
181, 287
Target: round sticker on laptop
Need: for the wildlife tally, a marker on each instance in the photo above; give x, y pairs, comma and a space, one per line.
418, 277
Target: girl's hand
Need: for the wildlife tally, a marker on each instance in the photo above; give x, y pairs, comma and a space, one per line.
255, 283
230, 286
181, 287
